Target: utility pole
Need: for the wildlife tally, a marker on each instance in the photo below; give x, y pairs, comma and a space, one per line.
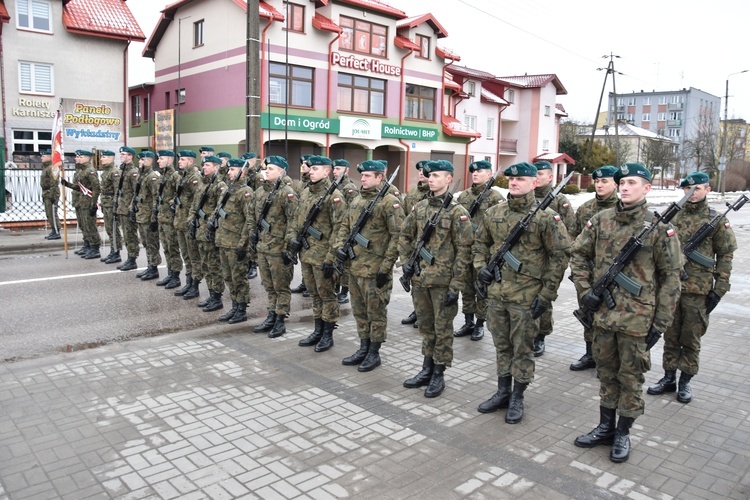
722, 157
610, 70
252, 75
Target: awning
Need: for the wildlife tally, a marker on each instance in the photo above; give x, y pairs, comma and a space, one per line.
324, 24
446, 54
404, 43
556, 158
488, 96
455, 128
450, 84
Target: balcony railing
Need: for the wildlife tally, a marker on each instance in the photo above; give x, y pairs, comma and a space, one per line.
509, 145
674, 105
674, 123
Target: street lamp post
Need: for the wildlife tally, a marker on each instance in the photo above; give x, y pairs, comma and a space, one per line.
722, 175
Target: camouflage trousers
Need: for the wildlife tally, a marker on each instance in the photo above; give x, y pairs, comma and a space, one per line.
471, 303
168, 239
210, 266
435, 323
546, 322
682, 340
513, 331
88, 226
621, 361
114, 234
324, 301
130, 235
188, 251
235, 275
50, 209
275, 276
370, 307
150, 241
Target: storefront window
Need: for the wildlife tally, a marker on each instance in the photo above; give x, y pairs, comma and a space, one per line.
363, 37
360, 94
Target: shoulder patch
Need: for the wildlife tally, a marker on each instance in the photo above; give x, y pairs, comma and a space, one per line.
397, 193
248, 195
93, 172
115, 175
195, 181
557, 217
566, 205
727, 225
337, 200
154, 178
464, 218
670, 232
588, 223
350, 191
290, 196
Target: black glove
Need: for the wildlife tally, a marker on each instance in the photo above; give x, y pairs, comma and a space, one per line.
408, 270
241, 253
591, 301
538, 307
327, 270
92, 211
341, 256
285, 259
65, 183
381, 279
254, 238
450, 298
485, 276
131, 216
153, 226
652, 338
295, 246
712, 300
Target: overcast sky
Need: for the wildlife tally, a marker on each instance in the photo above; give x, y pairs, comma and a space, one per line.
662, 44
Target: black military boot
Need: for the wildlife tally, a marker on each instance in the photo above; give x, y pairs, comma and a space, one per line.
114, 258
93, 253
326, 341
478, 332
165, 280
54, 235
684, 393
106, 257
188, 283
252, 270
515, 406
621, 445
267, 324
423, 377
437, 382
240, 315
467, 328
666, 384
215, 304
604, 433
299, 289
500, 399
410, 319
586, 361
343, 295
359, 355
538, 346
128, 265
174, 281
83, 249
203, 303
152, 272
228, 315
279, 328
315, 336
372, 360
194, 290
141, 274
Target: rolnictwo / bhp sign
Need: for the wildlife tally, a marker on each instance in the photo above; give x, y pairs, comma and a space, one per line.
92, 124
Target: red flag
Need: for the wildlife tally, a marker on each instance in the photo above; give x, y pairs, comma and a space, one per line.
57, 146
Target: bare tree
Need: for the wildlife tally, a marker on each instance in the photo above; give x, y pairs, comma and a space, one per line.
733, 139
699, 151
657, 155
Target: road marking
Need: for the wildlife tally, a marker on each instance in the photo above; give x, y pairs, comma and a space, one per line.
33, 280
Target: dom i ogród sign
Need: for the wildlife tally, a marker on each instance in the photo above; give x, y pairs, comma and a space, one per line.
360, 128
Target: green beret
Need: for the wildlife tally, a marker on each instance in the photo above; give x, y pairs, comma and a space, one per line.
437, 166
212, 159
206, 148
187, 153
146, 154
106, 152
384, 162
128, 150
693, 179
632, 170
224, 154
341, 163
420, 164
304, 158
319, 160
236, 162
248, 156
370, 166
543, 165
165, 152
83, 152
605, 171
480, 165
523, 169
45, 151
279, 161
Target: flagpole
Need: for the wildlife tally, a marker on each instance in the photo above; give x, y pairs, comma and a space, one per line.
58, 166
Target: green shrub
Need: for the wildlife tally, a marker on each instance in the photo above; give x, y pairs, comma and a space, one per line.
591, 188
501, 182
571, 189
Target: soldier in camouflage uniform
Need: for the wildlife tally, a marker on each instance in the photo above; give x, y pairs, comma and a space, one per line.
349, 190
564, 209
435, 290
167, 232
415, 195
232, 241
606, 197
148, 227
110, 182
518, 301
319, 278
271, 243
705, 281
224, 167
620, 348
481, 174
299, 186
50, 194
86, 202
187, 186
129, 172
253, 179
206, 151
371, 272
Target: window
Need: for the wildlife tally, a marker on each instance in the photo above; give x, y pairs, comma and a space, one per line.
631, 117
471, 88
510, 95
620, 116
180, 96
647, 101
198, 33
30, 141
167, 100
420, 103
646, 117
545, 145
662, 117
35, 78
674, 132
470, 121
363, 37
675, 115
135, 110
360, 94
296, 15
293, 87
35, 15
676, 99
488, 159
662, 99
620, 101
631, 101
146, 108
424, 46
490, 128
547, 111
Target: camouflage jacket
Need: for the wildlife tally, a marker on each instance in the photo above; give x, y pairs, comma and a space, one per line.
279, 217
381, 229
110, 181
656, 267
130, 172
348, 189
169, 179
560, 205
234, 228
48, 183
418, 193
542, 251
215, 190
187, 185
450, 244
467, 197
75, 195
327, 222
719, 247
89, 179
588, 209
149, 181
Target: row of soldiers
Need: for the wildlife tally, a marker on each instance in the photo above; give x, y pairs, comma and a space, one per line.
275, 221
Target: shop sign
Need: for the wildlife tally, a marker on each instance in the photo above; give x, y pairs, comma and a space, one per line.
360, 128
299, 123
409, 132
91, 123
33, 108
364, 64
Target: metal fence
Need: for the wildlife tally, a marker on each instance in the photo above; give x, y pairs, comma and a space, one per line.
21, 196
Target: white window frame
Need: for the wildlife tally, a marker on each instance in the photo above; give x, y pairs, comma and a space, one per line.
647, 101
547, 111
199, 33
471, 88
676, 99
545, 145
631, 101
511, 95
620, 101
470, 121
646, 117
33, 79
674, 132
37, 143
662, 99
490, 128
662, 117
30, 7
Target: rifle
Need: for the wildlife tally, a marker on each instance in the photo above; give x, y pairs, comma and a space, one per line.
420, 252
614, 274
690, 248
213, 224
178, 192
115, 204
262, 223
136, 199
311, 216
346, 252
199, 213
482, 196
503, 254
